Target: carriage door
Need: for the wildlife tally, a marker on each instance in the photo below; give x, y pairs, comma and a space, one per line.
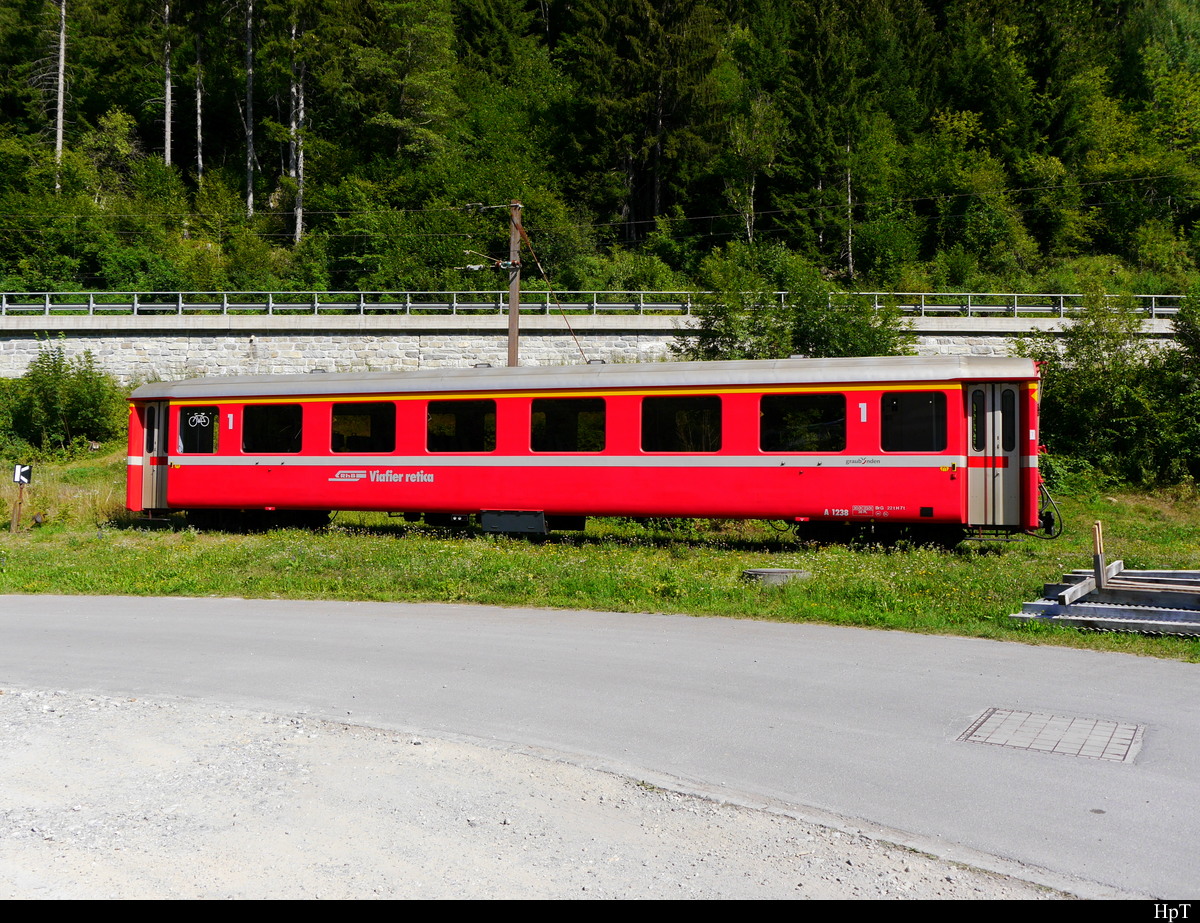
994, 463
154, 457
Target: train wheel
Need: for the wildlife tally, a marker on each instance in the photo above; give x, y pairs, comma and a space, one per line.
455, 522
312, 520
945, 537
889, 535
256, 520
204, 520
266, 520
216, 520
824, 533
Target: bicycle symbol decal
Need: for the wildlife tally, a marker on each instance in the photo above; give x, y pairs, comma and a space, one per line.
198, 419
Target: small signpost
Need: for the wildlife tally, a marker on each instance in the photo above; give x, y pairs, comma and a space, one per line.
22, 475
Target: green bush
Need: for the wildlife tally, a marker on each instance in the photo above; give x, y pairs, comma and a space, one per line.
767, 302
1115, 407
61, 403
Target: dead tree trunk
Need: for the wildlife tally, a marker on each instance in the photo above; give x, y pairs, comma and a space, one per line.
168, 110
199, 91
296, 133
60, 94
249, 113
849, 216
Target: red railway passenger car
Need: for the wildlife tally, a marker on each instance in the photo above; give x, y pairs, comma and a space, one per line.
945, 443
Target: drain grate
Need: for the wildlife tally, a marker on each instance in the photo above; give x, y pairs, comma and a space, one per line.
1091, 738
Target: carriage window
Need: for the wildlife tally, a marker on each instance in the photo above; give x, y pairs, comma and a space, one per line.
461, 426
914, 421
567, 425
802, 423
271, 428
364, 427
681, 424
978, 425
198, 429
151, 430
1008, 420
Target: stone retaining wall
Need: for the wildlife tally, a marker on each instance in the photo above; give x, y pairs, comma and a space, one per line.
173, 357
172, 347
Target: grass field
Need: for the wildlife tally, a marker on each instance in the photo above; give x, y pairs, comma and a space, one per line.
86, 547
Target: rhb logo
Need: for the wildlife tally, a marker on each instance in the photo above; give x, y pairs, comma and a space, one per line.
349, 477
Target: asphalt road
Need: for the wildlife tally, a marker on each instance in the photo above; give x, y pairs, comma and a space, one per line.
861, 724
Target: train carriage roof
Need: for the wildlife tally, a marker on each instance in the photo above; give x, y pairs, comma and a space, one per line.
739, 374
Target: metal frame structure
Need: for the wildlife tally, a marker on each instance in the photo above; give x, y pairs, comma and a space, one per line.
915, 304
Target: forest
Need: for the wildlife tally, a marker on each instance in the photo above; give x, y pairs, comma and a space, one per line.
896, 145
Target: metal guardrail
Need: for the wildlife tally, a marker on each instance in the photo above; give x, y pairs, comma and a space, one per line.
1014, 304
918, 304
315, 303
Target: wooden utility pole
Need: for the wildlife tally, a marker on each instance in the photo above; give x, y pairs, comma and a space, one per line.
514, 283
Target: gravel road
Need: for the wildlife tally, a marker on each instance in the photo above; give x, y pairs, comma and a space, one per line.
132, 798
